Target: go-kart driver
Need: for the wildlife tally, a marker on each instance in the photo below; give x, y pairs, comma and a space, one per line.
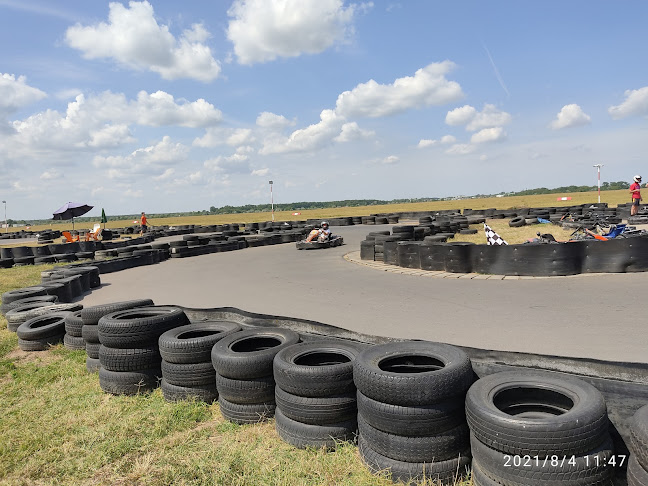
322, 234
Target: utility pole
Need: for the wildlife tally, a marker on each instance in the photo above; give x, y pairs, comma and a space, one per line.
271, 200
598, 171
6, 225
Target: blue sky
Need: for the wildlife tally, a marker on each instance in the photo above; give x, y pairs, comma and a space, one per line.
165, 106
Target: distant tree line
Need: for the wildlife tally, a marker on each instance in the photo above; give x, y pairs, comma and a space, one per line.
305, 205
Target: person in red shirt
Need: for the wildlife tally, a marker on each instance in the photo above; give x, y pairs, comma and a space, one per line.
143, 224
635, 190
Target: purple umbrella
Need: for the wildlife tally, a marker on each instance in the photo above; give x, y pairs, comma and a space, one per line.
71, 210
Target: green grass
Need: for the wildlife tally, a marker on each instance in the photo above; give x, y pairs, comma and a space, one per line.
58, 427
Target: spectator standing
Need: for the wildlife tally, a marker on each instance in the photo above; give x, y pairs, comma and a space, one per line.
635, 191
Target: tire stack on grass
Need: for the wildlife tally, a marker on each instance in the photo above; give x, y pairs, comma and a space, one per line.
315, 394
6, 307
129, 353
411, 410
39, 333
90, 331
73, 339
187, 370
23, 293
17, 314
244, 372
521, 420
638, 462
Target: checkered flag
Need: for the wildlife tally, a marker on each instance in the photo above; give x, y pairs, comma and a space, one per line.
493, 238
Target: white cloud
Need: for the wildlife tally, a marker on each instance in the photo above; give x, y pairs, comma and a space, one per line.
635, 104
133, 38
428, 86
233, 164
495, 134
154, 160
263, 30
351, 131
570, 116
160, 109
16, 93
423, 143
447, 139
475, 120
261, 172
215, 136
461, 149
50, 174
306, 139
273, 122
391, 159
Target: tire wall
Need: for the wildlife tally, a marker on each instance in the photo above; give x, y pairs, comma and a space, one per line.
613, 256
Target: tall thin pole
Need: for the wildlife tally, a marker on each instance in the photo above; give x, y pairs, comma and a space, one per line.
6, 225
271, 200
598, 171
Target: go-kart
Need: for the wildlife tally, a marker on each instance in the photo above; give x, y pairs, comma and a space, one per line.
320, 243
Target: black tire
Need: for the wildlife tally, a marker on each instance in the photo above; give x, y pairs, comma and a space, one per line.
193, 343
639, 436
246, 414
27, 300
74, 343
42, 327
90, 333
444, 471
42, 344
412, 421
51, 309
517, 222
202, 393
536, 414
249, 354
92, 365
91, 315
319, 410
637, 475
129, 383
19, 314
74, 324
317, 369
92, 349
132, 328
469, 231
585, 469
189, 374
412, 372
23, 293
254, 390
432, 448
479, 477
134, 359
303, 435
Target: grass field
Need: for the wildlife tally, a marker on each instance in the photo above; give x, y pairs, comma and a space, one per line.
58, 427
613, 198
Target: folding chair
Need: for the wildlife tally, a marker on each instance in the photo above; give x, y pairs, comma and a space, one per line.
68, 237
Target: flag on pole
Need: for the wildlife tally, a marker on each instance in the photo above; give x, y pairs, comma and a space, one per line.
493, 238
104, 220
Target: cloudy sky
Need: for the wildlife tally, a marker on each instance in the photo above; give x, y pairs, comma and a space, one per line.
174, 106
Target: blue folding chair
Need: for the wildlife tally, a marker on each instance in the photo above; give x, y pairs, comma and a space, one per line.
616, 231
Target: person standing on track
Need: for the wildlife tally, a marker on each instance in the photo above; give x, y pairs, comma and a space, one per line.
143, 224
635, 190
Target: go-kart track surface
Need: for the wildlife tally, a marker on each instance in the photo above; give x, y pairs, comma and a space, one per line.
587, 316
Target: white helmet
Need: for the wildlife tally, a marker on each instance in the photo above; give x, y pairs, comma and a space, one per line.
637, 178
325, 223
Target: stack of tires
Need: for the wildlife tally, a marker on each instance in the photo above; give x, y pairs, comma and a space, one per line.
411, 410
187, 370
17, 314
39, 333
536, 428
244, 372
129, 353
12, 304
315, 393
73, 339
638, 462
90, 329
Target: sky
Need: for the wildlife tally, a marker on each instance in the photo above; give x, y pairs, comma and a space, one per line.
165, 106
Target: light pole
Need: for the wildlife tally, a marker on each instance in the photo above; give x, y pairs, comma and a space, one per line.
271, 200
6, 225
598, 171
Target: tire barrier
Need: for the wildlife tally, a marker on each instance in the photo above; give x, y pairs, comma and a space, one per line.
187, 370
129, 353
244, 372
315, 394
525, 414
39, 333
410, 410
638, 464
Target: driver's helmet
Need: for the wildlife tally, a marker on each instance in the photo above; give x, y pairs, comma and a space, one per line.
637, 178
325, 224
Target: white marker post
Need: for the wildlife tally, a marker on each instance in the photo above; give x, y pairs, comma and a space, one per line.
598, 171
271, 200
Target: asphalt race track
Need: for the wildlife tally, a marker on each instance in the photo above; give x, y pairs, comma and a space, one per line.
592, 316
